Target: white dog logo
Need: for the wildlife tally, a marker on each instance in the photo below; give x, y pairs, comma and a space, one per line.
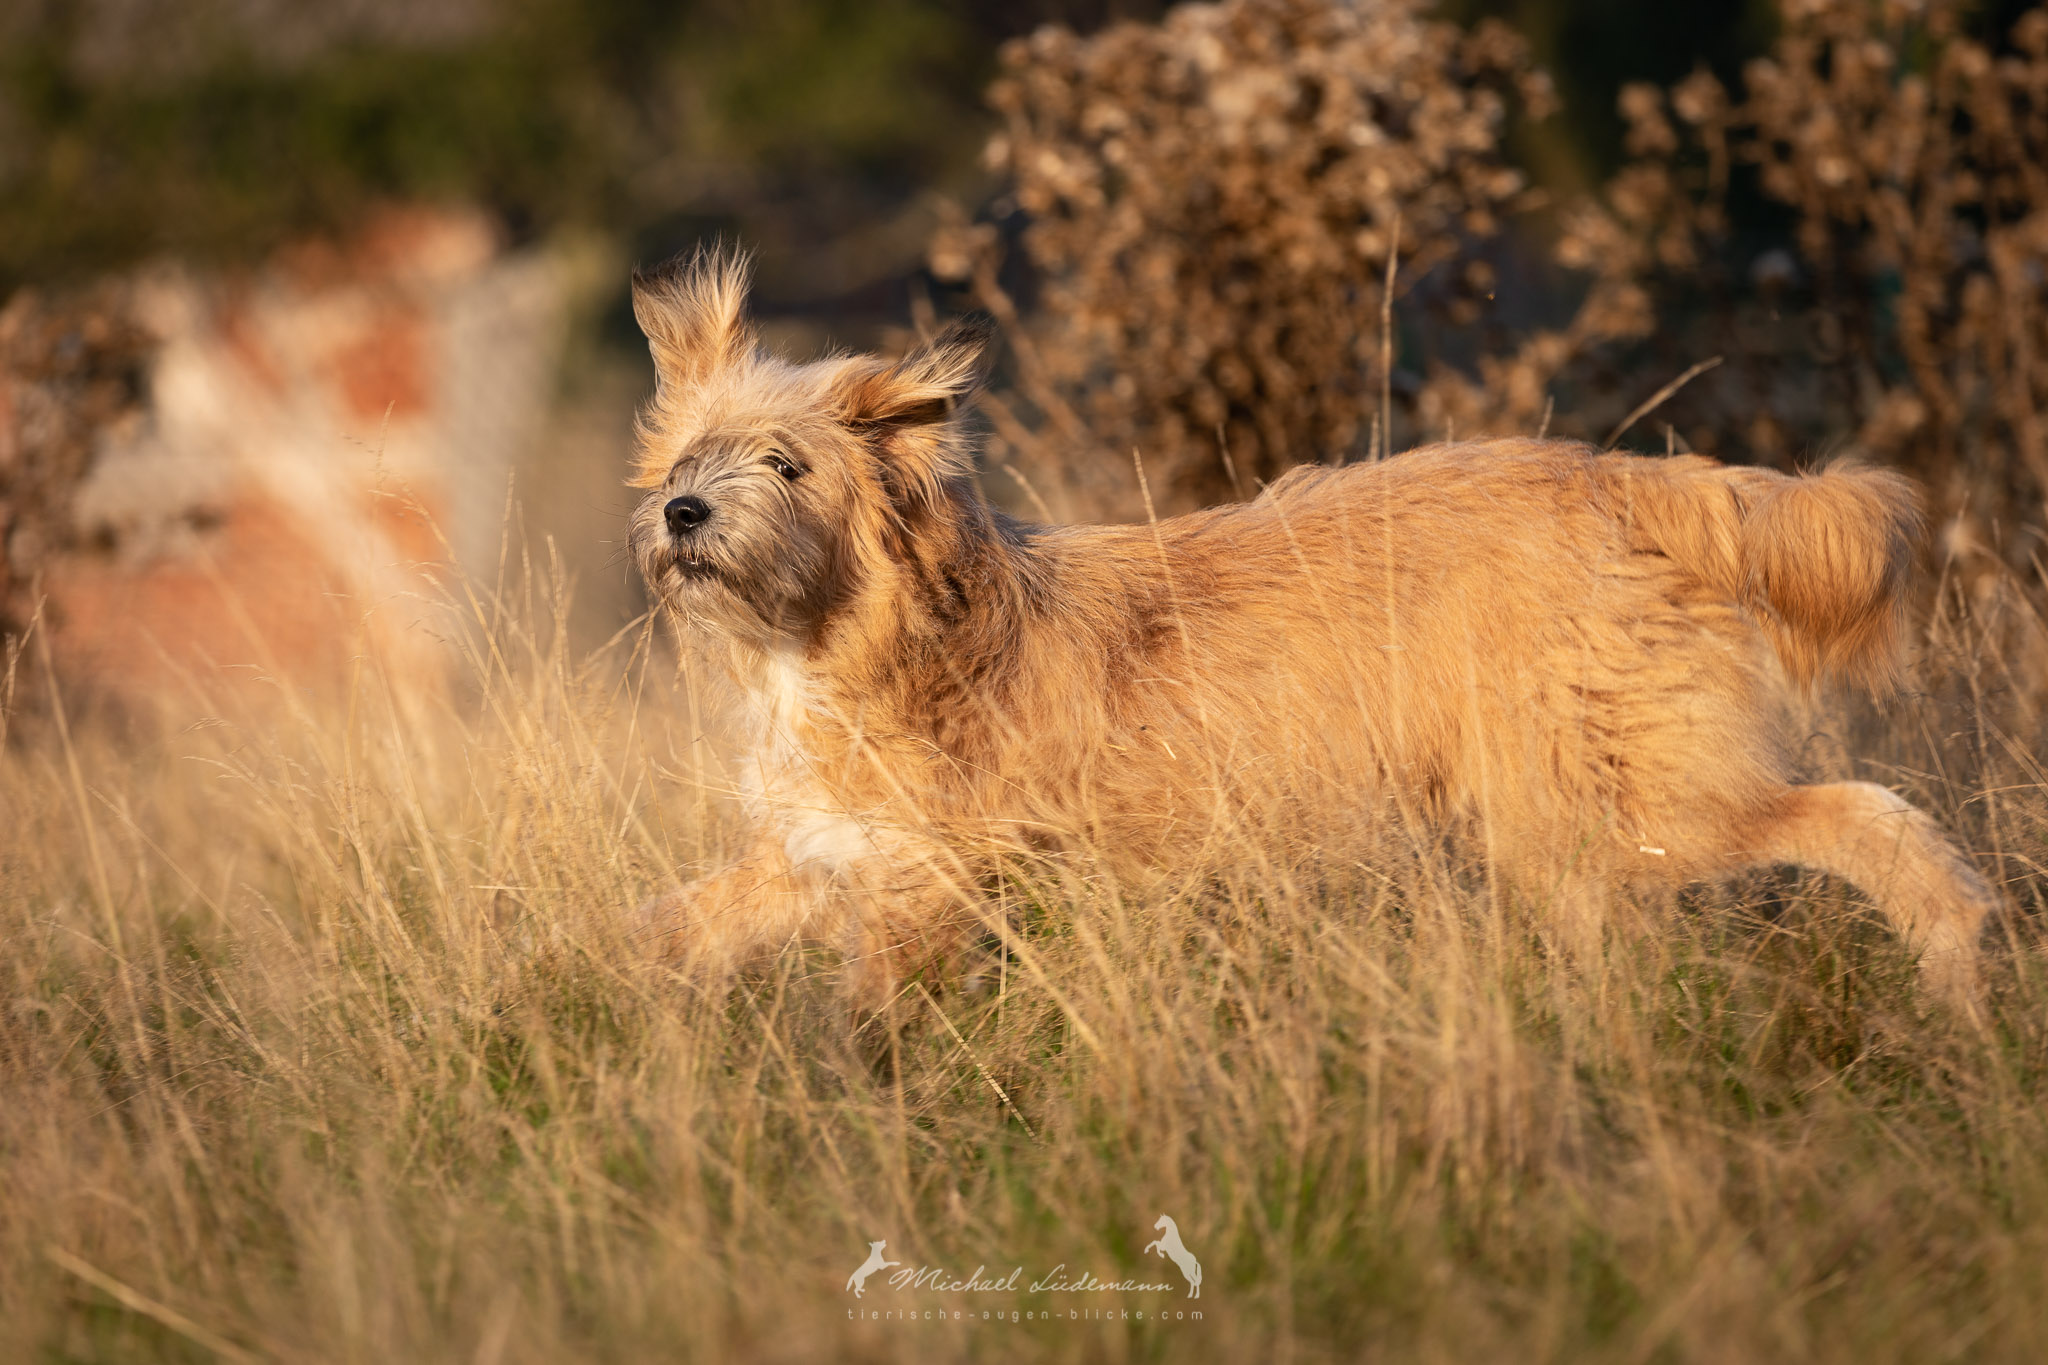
1170, 1246
857, 1281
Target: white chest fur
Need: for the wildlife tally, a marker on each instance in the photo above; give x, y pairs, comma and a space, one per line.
780, 786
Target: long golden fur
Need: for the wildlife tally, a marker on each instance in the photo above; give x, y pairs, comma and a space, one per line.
1580, 654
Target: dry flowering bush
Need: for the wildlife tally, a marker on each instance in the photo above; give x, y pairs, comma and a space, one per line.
1905, 313
1213, 201
1922, 202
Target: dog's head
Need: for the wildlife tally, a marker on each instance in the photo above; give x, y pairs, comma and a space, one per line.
777, 490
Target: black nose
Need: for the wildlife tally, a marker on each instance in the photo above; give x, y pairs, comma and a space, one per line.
686, 514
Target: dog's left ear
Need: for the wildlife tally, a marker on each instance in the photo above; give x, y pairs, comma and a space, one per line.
903, 410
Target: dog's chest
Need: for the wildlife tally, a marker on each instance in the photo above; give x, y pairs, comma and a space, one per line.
782, 784
779, 700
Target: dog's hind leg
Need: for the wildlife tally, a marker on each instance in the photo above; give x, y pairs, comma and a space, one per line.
1893, 852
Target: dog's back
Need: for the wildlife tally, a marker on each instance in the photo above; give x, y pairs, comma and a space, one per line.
1588, 653
1563, 639
1818, 562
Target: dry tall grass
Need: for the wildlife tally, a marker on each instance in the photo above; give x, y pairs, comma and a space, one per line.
322, 1042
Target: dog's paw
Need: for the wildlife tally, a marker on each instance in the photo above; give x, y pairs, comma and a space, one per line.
1951, 975
662, 925
677, 934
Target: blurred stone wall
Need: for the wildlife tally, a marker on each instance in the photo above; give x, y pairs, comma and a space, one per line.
257, 478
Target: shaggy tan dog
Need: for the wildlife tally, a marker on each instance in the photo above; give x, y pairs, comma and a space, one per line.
1581, 655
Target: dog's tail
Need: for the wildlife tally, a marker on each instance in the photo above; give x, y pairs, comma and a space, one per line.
1819, 560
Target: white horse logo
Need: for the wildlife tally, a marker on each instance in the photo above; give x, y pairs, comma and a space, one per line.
858, 1280
1170, 1246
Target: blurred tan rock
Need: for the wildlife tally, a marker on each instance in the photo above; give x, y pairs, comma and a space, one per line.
263, 477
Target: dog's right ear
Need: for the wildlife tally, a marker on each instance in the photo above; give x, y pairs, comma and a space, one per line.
692, 310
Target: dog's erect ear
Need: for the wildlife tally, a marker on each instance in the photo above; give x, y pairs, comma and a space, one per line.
691, 310
928, 385
903, 410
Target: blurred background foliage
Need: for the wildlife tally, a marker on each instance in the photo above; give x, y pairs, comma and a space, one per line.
216, 129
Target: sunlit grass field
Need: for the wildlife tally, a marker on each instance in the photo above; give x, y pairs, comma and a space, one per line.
325, 1039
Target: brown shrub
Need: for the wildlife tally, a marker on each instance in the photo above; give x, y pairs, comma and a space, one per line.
1905, 317
1213, 201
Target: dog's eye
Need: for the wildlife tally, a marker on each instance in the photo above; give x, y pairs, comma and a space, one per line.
784, 466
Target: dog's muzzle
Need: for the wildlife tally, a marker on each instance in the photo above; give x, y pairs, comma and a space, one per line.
685, 514
686, 551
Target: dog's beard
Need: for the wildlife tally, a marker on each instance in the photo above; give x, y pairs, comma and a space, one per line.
723, 581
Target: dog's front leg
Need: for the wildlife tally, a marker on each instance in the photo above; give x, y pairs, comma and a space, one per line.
752, 907
896, 917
